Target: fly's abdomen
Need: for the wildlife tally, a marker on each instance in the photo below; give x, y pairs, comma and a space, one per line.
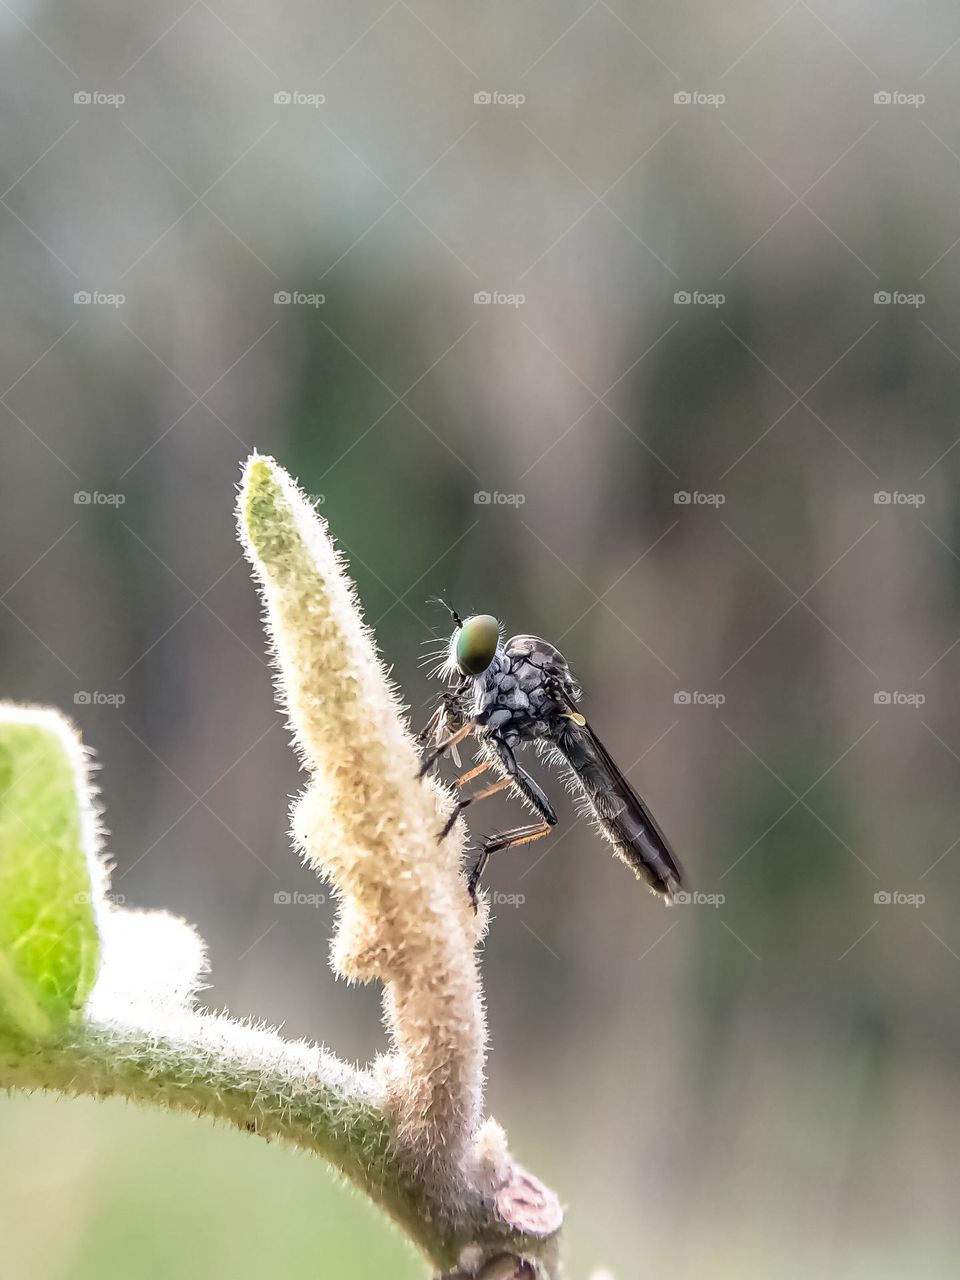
621, 815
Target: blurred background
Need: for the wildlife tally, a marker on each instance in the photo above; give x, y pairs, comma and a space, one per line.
637, 326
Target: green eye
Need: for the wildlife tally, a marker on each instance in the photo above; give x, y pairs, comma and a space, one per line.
476, 644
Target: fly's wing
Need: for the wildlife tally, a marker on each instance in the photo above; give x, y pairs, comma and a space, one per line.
621, 815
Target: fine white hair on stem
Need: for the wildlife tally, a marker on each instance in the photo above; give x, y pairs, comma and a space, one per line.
368, 823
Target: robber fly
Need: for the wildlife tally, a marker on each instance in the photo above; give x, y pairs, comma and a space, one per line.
508, 693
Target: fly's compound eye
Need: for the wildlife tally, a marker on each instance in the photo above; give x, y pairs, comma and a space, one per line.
476, 644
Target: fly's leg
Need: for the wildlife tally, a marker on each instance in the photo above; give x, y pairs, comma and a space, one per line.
508, 840
459, 807
473, 773
445, 744
465, 803
446, 718
535, 795
431, 728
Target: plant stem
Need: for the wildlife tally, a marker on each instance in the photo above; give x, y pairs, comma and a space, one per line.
210, 1065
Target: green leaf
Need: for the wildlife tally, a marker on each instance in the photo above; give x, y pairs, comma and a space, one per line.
49, 882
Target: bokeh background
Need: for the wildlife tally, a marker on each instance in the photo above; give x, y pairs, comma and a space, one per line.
763, 1081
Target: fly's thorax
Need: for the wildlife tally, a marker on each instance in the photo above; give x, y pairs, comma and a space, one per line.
517, 694
541, 656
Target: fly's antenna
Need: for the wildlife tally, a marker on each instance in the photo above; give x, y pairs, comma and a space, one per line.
458, 621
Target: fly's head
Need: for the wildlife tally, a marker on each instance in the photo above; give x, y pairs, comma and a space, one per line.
472, 647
